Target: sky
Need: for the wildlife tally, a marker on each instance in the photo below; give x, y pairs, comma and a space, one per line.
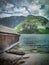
24, 8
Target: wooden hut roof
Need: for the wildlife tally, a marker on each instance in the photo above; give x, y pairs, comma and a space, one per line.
5, 29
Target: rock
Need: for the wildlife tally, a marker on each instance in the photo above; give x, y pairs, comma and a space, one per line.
9, 59
17, 52
20, 62
26, 56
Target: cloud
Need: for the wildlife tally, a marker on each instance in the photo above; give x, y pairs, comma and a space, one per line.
34, 9
9, 15
21, 10
44, 2
24, 7
16, 12
4, 15
9, 5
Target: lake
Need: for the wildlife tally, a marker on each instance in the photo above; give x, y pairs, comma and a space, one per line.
34, 41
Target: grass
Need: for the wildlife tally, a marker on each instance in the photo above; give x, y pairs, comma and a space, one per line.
20, 30
43, 31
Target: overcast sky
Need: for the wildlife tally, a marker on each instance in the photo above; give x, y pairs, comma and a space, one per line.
24, 7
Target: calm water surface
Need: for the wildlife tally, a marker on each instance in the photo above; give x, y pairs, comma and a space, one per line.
29, 41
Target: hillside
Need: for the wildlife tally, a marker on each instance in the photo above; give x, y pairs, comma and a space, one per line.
33, 24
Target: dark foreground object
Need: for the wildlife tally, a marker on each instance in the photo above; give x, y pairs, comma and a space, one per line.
9, 59
12, 59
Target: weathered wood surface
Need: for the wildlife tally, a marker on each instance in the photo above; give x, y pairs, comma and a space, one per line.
8, 37
7, 40
6, 29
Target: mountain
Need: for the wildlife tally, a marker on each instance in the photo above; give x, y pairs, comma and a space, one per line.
33, 24
11, 21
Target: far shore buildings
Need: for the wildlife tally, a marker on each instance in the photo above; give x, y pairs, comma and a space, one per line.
8, 38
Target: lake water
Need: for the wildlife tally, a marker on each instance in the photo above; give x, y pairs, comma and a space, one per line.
30, 41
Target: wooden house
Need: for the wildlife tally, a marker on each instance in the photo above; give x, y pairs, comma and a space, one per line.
8, 38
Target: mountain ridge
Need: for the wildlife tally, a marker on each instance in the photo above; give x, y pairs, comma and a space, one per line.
11, 21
